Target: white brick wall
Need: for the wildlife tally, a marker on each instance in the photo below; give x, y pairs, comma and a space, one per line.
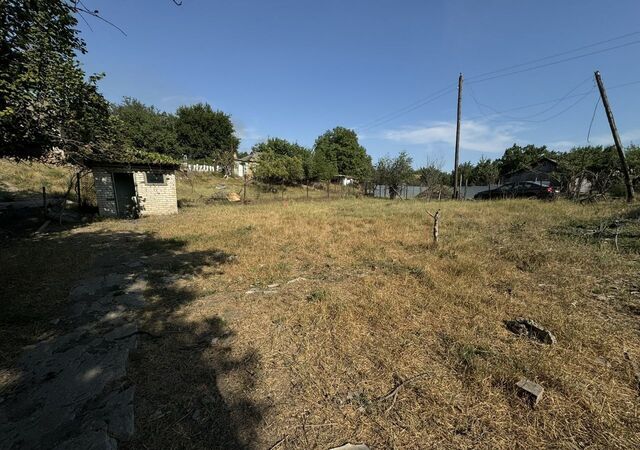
158, 198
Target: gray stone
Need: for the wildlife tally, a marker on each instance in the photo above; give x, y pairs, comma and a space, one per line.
532, 391
348, 446
527, 327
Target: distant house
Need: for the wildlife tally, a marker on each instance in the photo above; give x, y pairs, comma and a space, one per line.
245, 165
344, 180
542, 171
134, 189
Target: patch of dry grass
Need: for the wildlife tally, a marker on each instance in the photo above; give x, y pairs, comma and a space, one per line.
373, 304
197, 188
22, 179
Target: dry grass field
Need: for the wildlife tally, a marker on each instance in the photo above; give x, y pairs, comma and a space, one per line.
287, 324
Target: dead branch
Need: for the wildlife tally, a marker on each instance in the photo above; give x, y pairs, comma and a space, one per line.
393, 393
436, 225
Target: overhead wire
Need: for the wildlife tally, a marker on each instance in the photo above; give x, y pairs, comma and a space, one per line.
491, 75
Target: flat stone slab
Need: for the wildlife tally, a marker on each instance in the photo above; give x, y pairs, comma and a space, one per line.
532, 391
73, 393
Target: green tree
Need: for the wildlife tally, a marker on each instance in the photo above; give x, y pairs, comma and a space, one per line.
205, 134
281, 162
486, 172
633, 160
340, 149
45, 98
517, 157
394, 172
433, 177
280, 147
278, 169
322, 167
145, 128
598, 165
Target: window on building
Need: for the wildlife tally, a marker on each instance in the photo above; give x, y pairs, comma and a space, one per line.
155, 178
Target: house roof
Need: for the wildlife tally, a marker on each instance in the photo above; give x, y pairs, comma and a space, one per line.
133, 166
249, 158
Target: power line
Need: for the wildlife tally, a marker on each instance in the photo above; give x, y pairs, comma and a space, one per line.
544, 58
485, 76
592, 119
384, 120
546, 102
539, 113
584, 55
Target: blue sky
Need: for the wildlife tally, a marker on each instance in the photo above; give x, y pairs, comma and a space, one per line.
295, 68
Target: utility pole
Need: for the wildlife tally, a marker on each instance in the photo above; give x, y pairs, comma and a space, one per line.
456, 190
616, 137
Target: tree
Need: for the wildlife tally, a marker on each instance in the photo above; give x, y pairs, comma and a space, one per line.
278, 169
394, 172
322, 167
595, 164
433, 177
281, 147
281, 161
486, 172
45, 98
517, 157
340, 148
633, 160
205, 134
146, 129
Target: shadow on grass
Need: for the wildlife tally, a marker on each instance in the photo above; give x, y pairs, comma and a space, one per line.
179, 361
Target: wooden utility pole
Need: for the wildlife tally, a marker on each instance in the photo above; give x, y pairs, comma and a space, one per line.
616, 137
456, 191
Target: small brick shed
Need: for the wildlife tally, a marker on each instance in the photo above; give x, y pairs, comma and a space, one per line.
120, 187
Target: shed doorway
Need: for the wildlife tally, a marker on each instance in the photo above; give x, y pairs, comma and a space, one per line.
125, 193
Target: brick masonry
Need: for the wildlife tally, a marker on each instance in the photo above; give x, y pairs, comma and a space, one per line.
158, 199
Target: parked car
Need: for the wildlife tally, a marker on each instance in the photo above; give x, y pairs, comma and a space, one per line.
522, 189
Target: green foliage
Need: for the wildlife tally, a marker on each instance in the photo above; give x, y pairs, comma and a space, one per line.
281, 162
633, 161
45, 100
517, 157
337, 152
274, 168
205, 134
432, 176
144, 128
596, 164
465, 170
394, 172
486, 172
281, 147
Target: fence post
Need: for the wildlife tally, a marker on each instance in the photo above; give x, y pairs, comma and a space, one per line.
44, 200
78, 189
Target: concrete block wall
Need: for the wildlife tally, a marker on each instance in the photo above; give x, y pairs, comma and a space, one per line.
158, 199
105, 194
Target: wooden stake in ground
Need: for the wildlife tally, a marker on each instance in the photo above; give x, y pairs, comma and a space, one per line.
616, 137
436, 226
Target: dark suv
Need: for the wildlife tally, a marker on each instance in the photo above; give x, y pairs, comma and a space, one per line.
521, 189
